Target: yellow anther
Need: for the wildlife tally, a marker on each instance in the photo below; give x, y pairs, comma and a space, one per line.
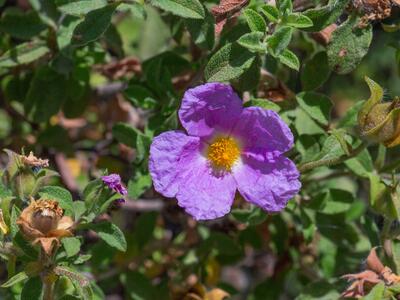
223, 153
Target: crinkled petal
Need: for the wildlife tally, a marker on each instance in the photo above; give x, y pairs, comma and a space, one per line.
263, 132
204, 194
209, 108
170, 155
268, 185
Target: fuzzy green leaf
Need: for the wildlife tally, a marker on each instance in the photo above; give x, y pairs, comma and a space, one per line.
93, 26
252, 41
255, 21
111, 234
79, 7
348, 46
317, 65
289, 59
280, 40
23, 54
318, 106
228, 63
61, 195
21, 276
271, 12
191, 9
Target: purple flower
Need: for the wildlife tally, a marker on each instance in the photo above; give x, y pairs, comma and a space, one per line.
113, 181
226, 148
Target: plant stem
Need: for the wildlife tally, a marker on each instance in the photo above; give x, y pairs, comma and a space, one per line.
48, 289
331, 161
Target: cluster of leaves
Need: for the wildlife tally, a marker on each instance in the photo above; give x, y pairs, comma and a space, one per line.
89, 83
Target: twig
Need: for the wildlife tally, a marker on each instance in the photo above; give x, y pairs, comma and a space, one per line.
332, 161
144, 205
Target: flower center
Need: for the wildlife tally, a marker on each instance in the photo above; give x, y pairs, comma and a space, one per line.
223, 153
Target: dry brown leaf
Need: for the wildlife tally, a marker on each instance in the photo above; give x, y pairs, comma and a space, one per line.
225, 10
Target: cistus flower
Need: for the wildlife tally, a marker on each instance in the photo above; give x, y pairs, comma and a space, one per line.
380, 122
226, 148
113, 181
42, 222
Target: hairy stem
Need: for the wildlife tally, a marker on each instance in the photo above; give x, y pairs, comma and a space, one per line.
331, 161
48, 289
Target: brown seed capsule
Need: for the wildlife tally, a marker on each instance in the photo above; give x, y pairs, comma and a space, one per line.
42, 222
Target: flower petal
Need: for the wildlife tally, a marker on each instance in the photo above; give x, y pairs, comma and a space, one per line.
208, 108
263, 132
204, 194
170, 154
268, 185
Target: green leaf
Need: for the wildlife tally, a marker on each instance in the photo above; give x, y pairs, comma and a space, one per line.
61, 195
79, 7
21, 276
280, 40
72, 245
376, 293
252, 41
202, 31
326, 15
125, 134
305, 124
318, 106
284, 5
317, 65
191, 9
94, 25
271, 12
140, 96
253, 216
331, 149
23, 54
289, 59
21, 26
145, 226
41, 106
298, 20
139, 287
361, 165
111, 234
133, 138
255, 20
228, 63
81, 283
350, 118
349, 44
264, 103
138, 185
32, 289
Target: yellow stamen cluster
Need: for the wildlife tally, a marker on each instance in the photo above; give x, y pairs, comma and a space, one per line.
223, 153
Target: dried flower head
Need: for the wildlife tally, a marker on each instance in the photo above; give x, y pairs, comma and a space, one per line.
33, 161
380, 122
373, 10
42, 222
364, 281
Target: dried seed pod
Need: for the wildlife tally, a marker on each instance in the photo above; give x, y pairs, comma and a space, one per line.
42, 222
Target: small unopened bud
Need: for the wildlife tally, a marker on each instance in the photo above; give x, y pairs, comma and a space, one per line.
380, 122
